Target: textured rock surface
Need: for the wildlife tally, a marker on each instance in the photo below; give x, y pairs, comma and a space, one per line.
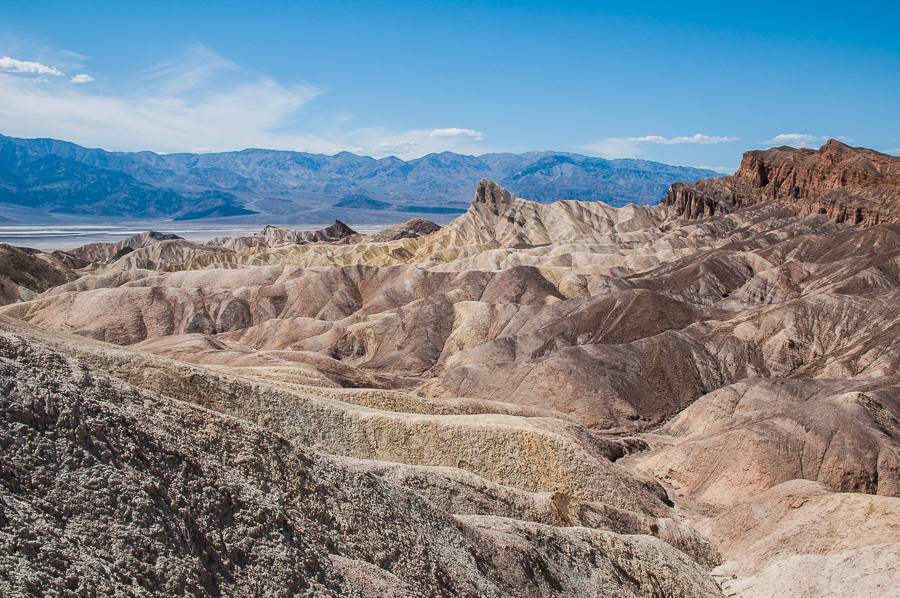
273, 236
409, 229
805, 540
23, 275
759, 293
847, 184
756, 434
101, 253
537, 454
107, 489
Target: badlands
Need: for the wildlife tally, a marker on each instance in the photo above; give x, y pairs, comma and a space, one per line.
700, 398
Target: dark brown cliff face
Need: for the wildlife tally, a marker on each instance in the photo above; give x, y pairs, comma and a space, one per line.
846, 184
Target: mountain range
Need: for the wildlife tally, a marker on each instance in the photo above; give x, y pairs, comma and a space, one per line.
45, 178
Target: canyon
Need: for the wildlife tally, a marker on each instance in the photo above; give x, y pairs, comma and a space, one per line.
699, 398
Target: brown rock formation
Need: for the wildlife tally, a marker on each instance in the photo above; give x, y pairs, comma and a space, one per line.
754, 435
409, 229
101, 253
24, 275
846, 184
273, 236
806, 540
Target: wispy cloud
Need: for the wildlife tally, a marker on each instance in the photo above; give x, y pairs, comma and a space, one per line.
399, 147
11, 66
629, 147
454, 133
794, 139
201, 102
698, 138
801, 140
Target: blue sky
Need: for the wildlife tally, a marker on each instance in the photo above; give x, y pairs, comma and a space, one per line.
682, 83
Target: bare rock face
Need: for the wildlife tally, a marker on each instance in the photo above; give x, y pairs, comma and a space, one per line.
100, 253
754, 435
806, 540
846, 184
108, 489
24, 275
273, 236
410, 229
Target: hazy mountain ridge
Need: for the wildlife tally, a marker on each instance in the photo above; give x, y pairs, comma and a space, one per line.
263, 180
58, 184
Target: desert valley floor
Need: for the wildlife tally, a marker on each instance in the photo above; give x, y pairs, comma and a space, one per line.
700, 398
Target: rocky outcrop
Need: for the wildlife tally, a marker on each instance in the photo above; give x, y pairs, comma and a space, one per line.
498, 232
24, 274
106, 489
409, 229
751, 436
843, 183
536, 454
273, 236
102, 253
540, 377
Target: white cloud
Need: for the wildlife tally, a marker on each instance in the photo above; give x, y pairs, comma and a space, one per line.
698, 138
793, 139
202, 102
614, 147
629, 147
399, 147
893, 151
11, 66
456, 134
82, 78
801, 140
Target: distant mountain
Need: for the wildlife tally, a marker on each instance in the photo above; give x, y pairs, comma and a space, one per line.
364, 202
59, 177
55, 184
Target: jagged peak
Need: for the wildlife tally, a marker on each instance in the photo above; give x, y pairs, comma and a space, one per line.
339, 229
493, 196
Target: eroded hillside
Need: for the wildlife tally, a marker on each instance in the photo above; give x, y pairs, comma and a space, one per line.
482, 409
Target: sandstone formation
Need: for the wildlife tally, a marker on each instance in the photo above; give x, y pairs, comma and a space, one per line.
101, 253
520, 388
847, 184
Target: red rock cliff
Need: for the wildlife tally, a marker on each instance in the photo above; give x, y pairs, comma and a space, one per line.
848, 184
